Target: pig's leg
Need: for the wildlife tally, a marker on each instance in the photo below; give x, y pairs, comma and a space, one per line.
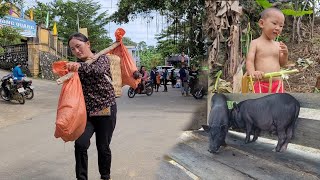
224, 143
289, 137
256, 134
248, 132
282, 136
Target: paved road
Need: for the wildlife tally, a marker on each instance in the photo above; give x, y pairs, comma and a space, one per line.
146, 128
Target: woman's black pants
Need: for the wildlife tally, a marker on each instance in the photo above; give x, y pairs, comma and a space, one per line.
103, 127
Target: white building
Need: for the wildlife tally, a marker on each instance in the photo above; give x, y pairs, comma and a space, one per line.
135, 54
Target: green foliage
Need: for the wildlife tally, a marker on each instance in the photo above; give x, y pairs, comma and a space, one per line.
66, 13
184, 19
9, 36
128, 42
264, 3
40, 13
141, 45
291, 12
167, 48
1, 50
4, 9
246, 39
150, 58
5, 6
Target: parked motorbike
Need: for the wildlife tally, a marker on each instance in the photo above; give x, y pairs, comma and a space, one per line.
27, 85
148, 90
15, 90
199, 92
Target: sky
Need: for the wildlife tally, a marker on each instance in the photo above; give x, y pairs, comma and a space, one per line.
137, 30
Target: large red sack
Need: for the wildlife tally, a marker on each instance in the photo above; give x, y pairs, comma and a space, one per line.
71, 113
128, 68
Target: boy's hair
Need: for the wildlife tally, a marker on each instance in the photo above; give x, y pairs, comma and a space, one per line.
265, 13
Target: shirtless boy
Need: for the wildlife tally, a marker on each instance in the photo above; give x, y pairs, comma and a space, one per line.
265, 54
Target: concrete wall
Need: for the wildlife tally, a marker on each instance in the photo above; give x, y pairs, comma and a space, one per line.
43, 52
46, 60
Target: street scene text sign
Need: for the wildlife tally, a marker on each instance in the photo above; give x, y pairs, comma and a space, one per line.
27, 28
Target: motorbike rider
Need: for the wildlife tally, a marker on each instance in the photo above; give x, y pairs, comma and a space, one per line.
17, 72
144, 77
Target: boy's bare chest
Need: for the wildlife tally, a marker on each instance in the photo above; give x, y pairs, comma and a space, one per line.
268, 50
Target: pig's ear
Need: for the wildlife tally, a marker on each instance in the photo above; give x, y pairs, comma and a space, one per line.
206, 128
235, 106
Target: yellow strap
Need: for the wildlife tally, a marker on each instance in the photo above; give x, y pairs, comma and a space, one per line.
270, 84
251, 82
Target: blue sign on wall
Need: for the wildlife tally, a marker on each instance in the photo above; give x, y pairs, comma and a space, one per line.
27, 28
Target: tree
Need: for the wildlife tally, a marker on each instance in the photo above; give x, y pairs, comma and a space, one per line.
150, 58
183, 16
128, 42
66, 12
9, 36
5, 6
141, 46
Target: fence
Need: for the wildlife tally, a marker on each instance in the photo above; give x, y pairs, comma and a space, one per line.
14, 54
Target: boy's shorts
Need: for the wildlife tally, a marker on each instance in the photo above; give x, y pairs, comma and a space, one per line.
263, 87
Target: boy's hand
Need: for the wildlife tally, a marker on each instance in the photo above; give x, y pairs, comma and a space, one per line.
283, 48
257, 74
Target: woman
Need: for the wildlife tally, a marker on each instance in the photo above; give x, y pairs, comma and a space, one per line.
144, 78
100, 104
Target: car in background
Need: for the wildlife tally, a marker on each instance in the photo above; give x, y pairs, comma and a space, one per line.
160, 68
169, 68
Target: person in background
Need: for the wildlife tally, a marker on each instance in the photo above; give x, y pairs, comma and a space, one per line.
144, 77
193, 74
165, 79
158, 81
184, 76
153, 77
101, 106
173, 78
17, 72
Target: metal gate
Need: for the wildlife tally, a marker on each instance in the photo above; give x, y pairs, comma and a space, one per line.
14, 54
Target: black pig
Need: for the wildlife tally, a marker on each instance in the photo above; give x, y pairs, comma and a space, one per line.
275, 112
218, 122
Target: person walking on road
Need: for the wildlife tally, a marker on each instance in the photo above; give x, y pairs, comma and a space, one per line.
173, 78
100, 105
158, 81
153, 77
165, 79
184, 76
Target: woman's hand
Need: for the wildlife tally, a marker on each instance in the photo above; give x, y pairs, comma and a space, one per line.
73, 66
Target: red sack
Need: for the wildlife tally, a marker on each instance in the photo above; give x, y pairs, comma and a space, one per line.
71, 113
128, 68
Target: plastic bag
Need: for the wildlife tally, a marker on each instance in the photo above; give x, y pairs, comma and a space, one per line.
128, 68
71, 113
